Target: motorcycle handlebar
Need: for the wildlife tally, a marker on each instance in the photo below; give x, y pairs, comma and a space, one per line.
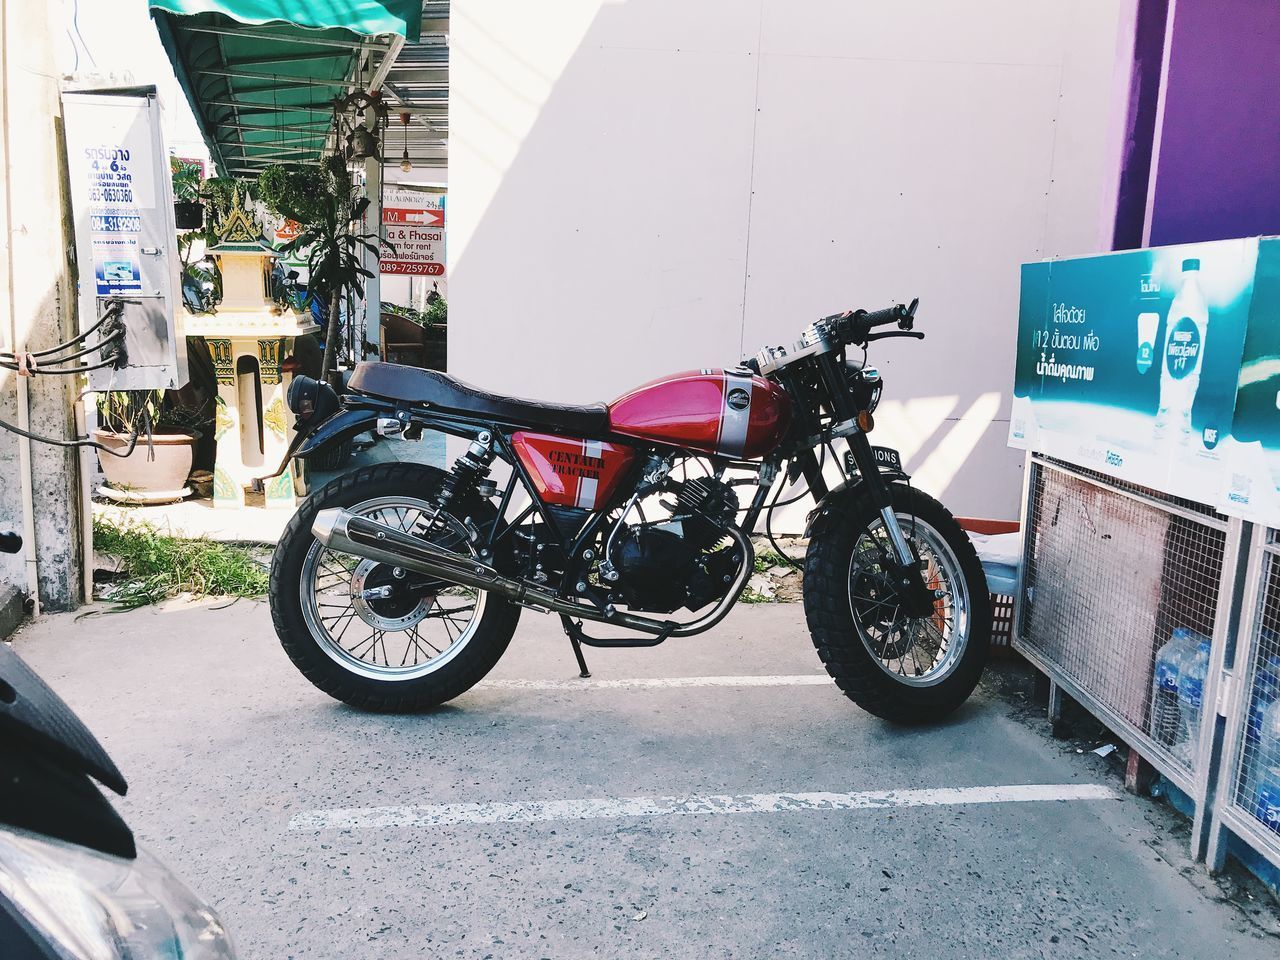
856, 326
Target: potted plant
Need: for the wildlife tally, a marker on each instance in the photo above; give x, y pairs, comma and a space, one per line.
188, 211
323, 202
163, 437
437, 327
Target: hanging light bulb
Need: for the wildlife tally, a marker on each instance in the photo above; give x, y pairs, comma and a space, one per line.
405, 163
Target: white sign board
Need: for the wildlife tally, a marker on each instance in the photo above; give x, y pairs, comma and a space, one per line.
413, 222
122, 201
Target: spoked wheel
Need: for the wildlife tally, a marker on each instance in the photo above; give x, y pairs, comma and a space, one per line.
918, 651
386, 622
898, 665
377, 636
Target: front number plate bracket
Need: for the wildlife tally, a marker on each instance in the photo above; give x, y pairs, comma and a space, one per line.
887, 459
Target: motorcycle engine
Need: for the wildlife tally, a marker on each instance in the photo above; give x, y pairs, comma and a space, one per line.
673, 563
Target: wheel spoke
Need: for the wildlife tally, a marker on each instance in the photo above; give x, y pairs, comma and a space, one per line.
366, 645
418, 640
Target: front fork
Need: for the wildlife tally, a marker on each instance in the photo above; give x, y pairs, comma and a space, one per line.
905, 565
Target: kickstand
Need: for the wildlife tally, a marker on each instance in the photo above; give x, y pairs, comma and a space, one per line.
577, 652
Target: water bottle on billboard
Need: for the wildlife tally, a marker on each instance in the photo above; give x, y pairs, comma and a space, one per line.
1183, 350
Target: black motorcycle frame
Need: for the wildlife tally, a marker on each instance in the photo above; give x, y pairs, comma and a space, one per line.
831, 398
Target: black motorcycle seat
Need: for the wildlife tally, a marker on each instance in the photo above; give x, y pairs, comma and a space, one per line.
431, 388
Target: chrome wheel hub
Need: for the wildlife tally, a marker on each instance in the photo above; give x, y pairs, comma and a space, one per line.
386, 602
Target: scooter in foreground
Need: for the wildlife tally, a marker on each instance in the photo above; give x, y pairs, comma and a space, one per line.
73, 884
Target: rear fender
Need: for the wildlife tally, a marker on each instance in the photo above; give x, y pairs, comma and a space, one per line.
343, 425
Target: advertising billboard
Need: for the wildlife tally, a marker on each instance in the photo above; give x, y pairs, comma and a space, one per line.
122, 202
1154, 366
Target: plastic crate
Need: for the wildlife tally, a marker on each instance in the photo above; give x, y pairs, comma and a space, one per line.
1001, 604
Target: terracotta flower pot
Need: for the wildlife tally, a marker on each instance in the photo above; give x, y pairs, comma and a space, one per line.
158, 467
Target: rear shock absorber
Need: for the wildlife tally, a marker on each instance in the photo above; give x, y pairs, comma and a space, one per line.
468, 469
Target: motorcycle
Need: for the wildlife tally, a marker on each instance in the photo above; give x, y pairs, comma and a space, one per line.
398, 586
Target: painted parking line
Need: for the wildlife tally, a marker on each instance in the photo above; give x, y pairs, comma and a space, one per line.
638, 683
604, 808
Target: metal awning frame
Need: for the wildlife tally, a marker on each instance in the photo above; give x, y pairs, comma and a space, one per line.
312, 124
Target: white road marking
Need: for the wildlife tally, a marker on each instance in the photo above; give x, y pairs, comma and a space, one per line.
579, 683
601, 808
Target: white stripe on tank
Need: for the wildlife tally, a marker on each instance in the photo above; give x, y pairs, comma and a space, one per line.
732, 440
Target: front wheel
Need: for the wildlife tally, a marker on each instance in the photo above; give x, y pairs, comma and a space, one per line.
904, 668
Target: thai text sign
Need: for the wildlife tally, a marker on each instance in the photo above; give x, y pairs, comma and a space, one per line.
413, 225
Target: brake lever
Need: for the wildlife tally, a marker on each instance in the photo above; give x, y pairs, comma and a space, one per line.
913, 334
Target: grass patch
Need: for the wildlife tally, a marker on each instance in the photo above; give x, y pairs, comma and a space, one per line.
156, 566
768, 559
753, 596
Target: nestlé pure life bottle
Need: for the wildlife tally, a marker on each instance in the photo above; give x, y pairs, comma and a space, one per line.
1267, 801
1164, 686
1193, 668
1185, 333
1265, 692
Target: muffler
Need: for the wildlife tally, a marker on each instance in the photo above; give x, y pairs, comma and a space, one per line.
368, 539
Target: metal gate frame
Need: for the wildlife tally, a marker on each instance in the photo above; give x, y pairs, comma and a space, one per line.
1199, 783
1228, 816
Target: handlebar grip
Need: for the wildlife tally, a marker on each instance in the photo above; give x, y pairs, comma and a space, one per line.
878, 318
10, 542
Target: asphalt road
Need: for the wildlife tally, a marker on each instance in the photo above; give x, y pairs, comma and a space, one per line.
321, 832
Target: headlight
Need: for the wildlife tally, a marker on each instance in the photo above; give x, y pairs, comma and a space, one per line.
865, 385
98, 907
872, 378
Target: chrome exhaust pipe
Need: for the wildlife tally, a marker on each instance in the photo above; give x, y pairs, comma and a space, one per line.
368, 539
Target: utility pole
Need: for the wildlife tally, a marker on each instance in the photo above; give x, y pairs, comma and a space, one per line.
40, 492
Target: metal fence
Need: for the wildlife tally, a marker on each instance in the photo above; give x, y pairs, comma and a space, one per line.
1248, 796
1112, 575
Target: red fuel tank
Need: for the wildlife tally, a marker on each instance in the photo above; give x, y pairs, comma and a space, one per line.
716, 411
573, 473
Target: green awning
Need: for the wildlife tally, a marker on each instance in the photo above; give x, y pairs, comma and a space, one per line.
366, 18
261, 75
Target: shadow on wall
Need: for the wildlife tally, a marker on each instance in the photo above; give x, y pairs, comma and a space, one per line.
643, 187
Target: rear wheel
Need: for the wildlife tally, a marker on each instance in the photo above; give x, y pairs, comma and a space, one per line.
376, 636
904, 668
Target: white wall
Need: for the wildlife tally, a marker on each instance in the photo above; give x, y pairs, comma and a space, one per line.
645, 186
